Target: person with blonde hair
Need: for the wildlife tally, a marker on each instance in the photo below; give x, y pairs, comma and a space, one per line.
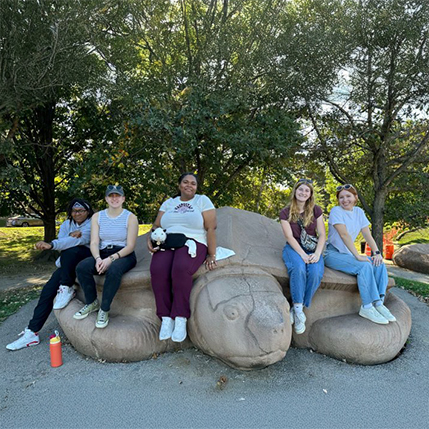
301, 220
346, 221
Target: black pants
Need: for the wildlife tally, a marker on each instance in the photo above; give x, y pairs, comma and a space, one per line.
86, 271
66, 276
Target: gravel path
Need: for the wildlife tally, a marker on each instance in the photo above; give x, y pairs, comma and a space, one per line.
180, 390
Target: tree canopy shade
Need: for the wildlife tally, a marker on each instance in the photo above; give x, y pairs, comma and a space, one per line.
374, 131
46, 69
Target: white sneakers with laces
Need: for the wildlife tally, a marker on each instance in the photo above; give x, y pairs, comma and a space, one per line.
64, 295
28, 339
179, 334
385, 312
167, 328
373, 315
299, 322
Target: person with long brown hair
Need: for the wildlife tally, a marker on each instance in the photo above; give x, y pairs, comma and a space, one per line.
346, 221
302, 254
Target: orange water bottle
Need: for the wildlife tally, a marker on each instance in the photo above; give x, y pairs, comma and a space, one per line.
55, 350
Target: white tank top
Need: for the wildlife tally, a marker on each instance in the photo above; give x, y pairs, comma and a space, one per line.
113, 231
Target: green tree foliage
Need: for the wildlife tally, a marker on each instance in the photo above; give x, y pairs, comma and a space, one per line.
214, 87
374, 130
47, 69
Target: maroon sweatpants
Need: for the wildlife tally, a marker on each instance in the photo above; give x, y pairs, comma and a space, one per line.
171, 275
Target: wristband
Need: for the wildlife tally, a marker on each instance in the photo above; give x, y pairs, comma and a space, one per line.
98, 257
119, 256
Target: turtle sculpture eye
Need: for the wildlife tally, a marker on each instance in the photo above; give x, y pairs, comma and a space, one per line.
231, 312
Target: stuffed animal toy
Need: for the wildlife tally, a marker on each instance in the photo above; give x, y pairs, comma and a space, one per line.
158, 236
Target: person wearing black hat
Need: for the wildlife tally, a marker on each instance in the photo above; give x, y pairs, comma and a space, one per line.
113, 238
73, 242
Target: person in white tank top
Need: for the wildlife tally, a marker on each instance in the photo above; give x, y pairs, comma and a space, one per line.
113, 238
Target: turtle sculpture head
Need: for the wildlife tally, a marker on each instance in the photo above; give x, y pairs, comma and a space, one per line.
250, 308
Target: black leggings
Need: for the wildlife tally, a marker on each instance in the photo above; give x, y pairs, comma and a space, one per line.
66, 276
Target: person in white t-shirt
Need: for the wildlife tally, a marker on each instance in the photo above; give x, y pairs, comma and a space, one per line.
346, 221
171, 270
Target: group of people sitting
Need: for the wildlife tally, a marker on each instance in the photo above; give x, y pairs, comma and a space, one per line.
103, 243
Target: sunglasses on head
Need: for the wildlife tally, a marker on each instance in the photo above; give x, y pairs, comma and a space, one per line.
114, 187
305, 181
347, 186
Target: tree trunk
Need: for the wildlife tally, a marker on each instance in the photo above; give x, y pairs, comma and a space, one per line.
377, 218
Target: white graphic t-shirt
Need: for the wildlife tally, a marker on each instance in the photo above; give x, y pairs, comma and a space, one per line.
185, 217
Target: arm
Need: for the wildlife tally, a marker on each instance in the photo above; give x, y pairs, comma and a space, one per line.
67, 239
156, 224
287, 231
321, 233
132, 232
376, 259
345, 236
95, 242
210, 224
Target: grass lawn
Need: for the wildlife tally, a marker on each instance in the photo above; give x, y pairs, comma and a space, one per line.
416, 237
421, 290
17, 251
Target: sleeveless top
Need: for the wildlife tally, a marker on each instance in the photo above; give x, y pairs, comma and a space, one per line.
113, 231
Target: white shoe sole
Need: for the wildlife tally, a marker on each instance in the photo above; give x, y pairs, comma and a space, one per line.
33, 343
379, 322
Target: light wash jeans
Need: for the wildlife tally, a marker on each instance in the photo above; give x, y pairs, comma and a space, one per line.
371, 280
304, 279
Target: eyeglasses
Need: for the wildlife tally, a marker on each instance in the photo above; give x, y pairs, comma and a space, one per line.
79, 211
114, 188
347, 186
305, 181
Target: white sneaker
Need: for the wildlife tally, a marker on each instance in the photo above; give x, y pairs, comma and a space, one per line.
292, 321
179, 333
167, 328
373, 315
28, 339
102, 319
299, 322
64, 295
385, 312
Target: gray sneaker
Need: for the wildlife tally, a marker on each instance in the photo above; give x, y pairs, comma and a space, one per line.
102, 319
86, 310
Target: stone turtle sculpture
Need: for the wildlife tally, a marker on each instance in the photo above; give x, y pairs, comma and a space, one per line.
239, 311
414, 257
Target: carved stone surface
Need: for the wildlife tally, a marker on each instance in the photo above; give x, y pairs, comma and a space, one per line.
414, 257
239, 311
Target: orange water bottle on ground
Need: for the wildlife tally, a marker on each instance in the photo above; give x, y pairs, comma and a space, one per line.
55, 350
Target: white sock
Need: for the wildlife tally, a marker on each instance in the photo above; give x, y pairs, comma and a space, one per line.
378, 303
366, 306
297, 308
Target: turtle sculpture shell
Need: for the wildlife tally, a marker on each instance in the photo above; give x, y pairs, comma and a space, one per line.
240, 311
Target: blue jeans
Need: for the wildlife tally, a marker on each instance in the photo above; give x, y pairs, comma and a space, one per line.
371, 280
304, 279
